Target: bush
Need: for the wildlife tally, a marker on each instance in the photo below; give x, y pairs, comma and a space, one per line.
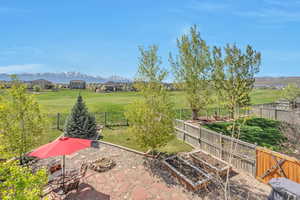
36, 88
260, 131
17, 182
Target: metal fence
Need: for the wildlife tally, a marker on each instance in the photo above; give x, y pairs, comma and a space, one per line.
107, 119
110, 119
221, 146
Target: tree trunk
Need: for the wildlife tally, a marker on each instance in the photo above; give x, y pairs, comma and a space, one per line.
195, 114
231, 112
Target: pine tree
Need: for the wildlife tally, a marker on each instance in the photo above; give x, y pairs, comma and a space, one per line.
80, 123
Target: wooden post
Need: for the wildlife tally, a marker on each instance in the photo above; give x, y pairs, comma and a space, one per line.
180, 113
275, 114
105, 120
57, 121
260, 112
184, 131
200, 137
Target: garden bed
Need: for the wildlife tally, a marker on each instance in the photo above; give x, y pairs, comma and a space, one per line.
186, 173
209, 163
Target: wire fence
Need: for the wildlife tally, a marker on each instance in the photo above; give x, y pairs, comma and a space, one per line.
110, 119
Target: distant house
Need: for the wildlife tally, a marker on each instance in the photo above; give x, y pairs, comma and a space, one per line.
44, 84
77, 84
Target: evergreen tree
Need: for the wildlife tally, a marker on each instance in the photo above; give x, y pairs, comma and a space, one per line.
80, 123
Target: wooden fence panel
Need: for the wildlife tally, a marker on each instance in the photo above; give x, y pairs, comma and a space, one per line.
265, 161
243, 154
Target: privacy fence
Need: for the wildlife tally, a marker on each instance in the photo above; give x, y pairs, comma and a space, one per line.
243, 153
261, 163
271, 111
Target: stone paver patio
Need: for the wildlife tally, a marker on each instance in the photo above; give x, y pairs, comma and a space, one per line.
137, 177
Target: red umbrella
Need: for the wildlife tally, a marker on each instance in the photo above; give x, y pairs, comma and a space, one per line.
61, 147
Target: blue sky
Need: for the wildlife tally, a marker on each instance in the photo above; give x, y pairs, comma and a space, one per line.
101, 37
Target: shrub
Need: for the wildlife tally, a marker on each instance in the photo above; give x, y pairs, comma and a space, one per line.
17, 182
36, 88
260, 131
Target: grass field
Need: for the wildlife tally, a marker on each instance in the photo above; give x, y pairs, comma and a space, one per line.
122, 137
63, 100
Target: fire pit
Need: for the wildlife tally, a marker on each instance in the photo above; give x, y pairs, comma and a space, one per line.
187, 174
209, 163
102, 164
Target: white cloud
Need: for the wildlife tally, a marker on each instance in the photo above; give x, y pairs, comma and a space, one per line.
272, 15
20, 68
11, 10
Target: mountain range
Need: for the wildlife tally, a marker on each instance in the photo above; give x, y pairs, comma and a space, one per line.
64, 77
277, 81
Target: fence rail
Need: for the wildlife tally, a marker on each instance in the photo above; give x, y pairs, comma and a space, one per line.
269, 112
221, 146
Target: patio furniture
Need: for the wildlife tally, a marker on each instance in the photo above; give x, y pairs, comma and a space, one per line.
54, 166
62, 185
61, 146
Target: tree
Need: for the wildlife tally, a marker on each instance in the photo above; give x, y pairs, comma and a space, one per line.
151, 118
290, 93
233, 74
80, 123
37, 88
19, 183
21, 122
192, 70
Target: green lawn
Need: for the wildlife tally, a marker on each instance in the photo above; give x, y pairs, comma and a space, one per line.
123, 137
63, 100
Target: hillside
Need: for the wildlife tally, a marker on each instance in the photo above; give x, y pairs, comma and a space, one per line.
276, 81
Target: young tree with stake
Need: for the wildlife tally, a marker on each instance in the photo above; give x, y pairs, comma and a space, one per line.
151, 118
233, 74
192, 70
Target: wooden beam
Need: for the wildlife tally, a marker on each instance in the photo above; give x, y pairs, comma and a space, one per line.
272, 169
279, 167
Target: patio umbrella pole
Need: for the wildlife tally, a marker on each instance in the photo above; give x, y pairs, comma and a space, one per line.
63, 172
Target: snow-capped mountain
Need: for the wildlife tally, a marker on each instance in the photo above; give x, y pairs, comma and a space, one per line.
64, 77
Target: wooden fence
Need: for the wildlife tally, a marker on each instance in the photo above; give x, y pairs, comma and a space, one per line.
221, 146
271, 164
289, 116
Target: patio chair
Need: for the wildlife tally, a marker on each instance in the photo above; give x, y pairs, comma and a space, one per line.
73, 180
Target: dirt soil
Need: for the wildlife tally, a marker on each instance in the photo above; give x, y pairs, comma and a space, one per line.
292, 146
209, 159
185, 169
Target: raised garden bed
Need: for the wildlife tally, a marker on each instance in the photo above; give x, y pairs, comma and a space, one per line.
209, 163
187, 174
102, 164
